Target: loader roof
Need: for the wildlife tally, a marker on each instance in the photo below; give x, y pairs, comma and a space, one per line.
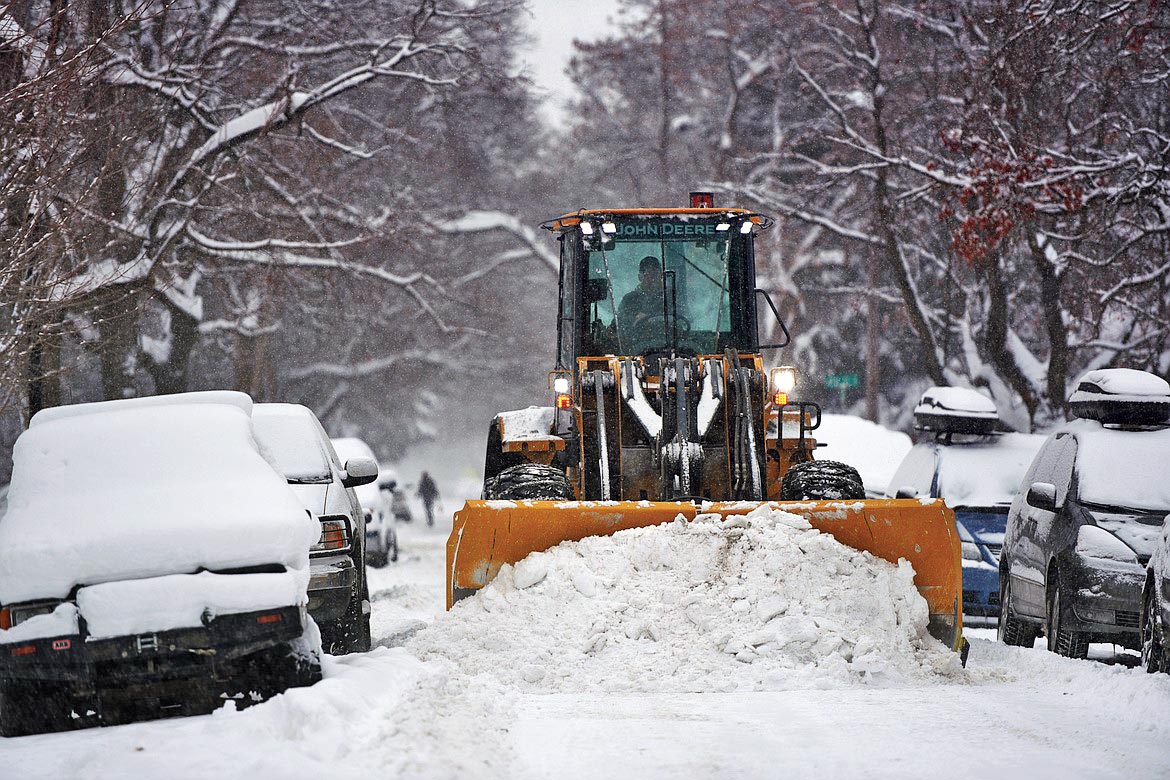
574, 218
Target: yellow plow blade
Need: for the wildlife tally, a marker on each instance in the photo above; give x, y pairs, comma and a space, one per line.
488, 534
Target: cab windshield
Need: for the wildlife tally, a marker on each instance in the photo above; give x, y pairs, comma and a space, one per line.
658, 287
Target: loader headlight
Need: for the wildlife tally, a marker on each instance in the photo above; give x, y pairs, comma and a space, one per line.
608, 228
783, 382
561, 385
746, 227
587, 228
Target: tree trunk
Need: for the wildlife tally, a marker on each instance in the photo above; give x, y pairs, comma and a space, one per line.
171, 375
873, 340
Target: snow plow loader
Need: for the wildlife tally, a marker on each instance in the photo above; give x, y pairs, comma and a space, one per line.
662, 407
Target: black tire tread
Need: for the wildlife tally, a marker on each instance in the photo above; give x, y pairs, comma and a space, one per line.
819, 480
529, 481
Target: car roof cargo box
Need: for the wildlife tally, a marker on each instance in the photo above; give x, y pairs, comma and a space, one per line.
1121, 396
956, 410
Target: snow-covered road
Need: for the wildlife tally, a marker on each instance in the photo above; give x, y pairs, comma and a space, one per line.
388, 714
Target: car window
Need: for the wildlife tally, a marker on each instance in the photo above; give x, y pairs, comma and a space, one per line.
1062, 468
1125, 468
295, 446
916, 471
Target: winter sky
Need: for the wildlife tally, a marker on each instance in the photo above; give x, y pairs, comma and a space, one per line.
555, 24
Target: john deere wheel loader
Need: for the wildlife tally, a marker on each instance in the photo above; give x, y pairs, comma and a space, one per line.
662, 407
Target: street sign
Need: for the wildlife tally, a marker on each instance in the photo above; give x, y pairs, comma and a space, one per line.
842, 381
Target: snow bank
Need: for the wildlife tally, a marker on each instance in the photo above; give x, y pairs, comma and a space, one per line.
873, 450
143, 490
753, 602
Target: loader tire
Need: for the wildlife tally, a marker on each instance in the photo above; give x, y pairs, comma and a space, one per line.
822, 480
529, 481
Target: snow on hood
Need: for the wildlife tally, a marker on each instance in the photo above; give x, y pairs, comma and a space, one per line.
986, 474
140, 491
750, 602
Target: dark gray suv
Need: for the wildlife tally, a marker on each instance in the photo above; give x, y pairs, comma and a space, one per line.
1087, 518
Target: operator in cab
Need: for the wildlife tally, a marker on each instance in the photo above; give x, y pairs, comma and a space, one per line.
643, 304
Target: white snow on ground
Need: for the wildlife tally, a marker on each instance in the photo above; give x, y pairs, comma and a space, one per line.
756, 602
1014, 712
873, 450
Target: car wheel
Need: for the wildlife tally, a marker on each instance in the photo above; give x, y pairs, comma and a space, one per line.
1153, 647
1062, 638
351, 632
819, 480
1011, 630
529, 481
34, 707
272, 671
378, 559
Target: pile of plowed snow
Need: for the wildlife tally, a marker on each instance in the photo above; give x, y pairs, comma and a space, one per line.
751, 602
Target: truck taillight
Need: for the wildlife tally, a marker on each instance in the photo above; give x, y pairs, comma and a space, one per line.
702, 200
334, 534
5, 619
564, 402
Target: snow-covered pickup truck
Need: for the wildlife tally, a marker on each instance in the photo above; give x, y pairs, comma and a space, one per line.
151, 559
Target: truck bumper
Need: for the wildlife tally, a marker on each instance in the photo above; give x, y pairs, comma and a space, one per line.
202, 652
332, 580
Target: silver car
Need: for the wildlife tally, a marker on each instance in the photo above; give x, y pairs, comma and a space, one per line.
339, 598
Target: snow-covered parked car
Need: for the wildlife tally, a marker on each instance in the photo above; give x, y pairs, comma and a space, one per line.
976, 467
381, 528
150, 559
1155, 616
1088, 516
339, 598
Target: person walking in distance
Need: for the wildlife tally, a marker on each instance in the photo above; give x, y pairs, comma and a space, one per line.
429, 493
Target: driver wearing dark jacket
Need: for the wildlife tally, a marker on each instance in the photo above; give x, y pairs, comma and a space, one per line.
643, 302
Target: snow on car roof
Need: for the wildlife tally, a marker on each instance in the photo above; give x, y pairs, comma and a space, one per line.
985, 473
90, 492
223, 397
290, 436
1129, 468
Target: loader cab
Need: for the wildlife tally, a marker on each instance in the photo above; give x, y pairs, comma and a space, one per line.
655, 283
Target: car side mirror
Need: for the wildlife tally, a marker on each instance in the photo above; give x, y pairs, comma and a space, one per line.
1042, 495
906, 492
359, 471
